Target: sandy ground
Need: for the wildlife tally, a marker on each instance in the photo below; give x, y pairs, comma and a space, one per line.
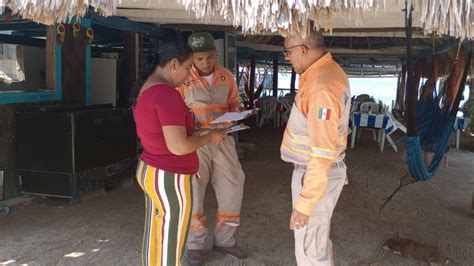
106, 228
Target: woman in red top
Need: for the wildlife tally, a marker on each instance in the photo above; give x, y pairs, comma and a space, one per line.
165, 128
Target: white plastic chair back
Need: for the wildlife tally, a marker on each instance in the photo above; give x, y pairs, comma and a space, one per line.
370, 107
355, 106
287, 103
268, 105
395, 123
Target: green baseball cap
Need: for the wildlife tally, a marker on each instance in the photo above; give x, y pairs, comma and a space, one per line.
201, 42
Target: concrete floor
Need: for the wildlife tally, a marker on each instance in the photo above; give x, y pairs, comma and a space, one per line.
106, 228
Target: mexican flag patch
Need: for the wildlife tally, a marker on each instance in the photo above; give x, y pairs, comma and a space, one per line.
324, 113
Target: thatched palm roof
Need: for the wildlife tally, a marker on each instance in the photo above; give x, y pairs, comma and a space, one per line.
50, 11
443, 17
454, 18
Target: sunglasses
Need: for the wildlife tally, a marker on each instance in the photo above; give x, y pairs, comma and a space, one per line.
286, 51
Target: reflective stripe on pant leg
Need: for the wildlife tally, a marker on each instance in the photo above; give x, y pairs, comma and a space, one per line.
198, 222
226, 226
228, 179
168, 211
331, 253
198, 232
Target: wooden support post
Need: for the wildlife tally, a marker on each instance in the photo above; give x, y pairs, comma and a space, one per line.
129, 65
471, 88
237, 75
403, 89
275, 77
8, 166
50, 57
74, 67
412, 91
293, 81
245, 77
397, 97
252, 79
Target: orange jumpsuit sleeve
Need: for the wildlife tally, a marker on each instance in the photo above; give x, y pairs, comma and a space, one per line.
323, 114
233, 101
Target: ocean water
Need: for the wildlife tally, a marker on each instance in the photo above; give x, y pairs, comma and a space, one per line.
383, 88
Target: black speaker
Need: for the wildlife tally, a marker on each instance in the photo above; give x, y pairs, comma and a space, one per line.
66, 150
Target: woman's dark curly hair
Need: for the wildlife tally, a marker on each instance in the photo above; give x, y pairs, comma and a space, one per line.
165, 53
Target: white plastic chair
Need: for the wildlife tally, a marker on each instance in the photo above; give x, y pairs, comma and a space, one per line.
287, 104
467, 122
268, 105
395, 125
355, 106
370, 108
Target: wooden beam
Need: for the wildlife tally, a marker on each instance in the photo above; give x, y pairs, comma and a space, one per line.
50, 57
213, 27
23, 40
275, 77
368, 59
199, 27
386, 69
412, 93
237, 74
20, 26
252, 79
293, 81
129, 66
393, 32
74, 67
398, 50
375, 32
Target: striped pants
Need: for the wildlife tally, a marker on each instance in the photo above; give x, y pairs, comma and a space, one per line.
168, 198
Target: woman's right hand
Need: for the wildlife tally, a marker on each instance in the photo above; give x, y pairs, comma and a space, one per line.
201, 132
216, 136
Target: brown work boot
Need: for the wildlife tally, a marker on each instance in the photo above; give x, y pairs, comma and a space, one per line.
235, 251
195, 257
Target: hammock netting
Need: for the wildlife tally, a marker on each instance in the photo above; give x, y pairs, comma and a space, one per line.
435, 115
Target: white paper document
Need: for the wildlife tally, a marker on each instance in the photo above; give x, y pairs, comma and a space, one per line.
235, 128
232, 116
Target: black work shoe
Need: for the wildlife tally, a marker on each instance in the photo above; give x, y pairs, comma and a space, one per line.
235, 251
195, 257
